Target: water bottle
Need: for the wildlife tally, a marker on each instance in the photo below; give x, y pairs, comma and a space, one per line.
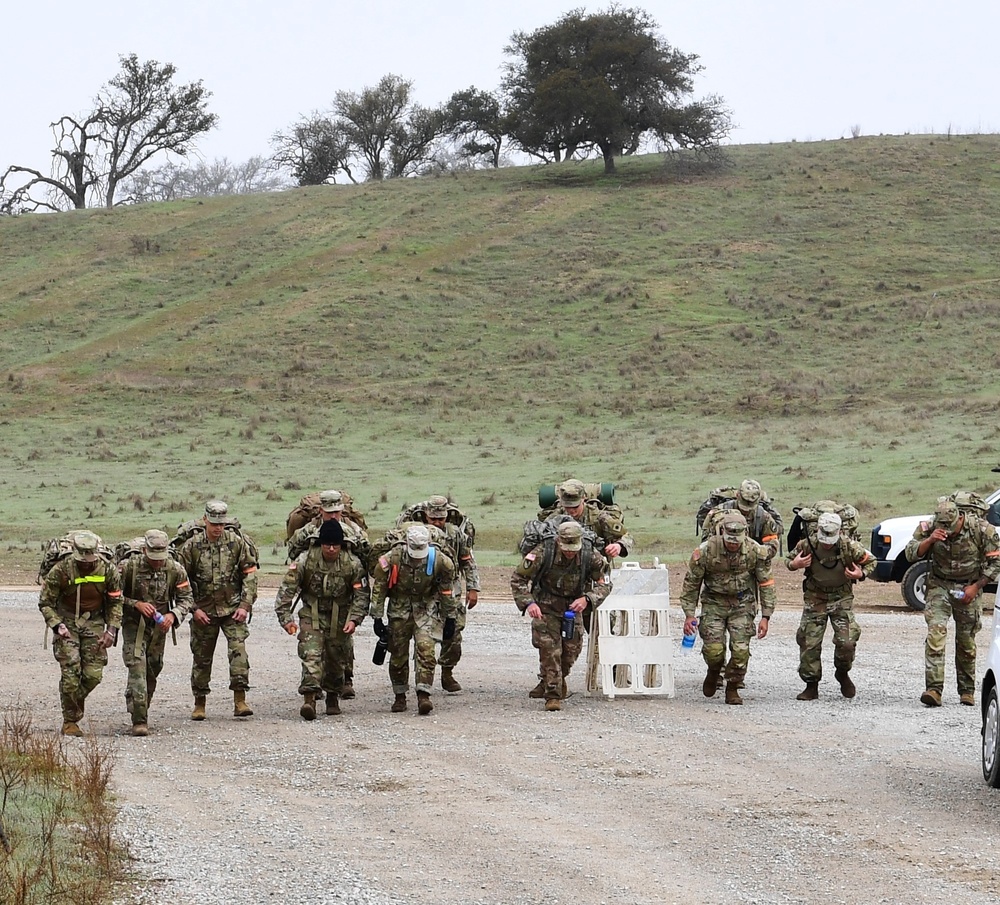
568, 629
157, 617
958, 593
687, 641
381, 649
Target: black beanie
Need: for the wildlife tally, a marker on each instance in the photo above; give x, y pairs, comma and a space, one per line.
330, 532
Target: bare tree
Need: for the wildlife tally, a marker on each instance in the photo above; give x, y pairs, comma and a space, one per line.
171, 182
137, 115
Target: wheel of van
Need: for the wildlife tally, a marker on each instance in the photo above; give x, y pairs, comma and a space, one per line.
914, 585
991, 740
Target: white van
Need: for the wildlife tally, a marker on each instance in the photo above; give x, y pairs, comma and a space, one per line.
991, 706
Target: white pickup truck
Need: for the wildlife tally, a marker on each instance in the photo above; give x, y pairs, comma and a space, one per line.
889, 539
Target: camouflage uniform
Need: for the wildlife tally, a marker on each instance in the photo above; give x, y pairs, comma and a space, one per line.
729, 583
84, 602
334, 592
553, 589
451, 651
972, 555
143, 641
828, 594
355, 537
761, 525
223, 579
419, 604
604, 524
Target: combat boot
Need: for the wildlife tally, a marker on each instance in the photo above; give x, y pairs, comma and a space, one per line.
968, 699
140, 730
199, 708
399, 705
448, 682
539, 690
847, 688
332, 705
733, 693
308, 709
811, 692
240, 705
712, 681
566, 693
71, 728
424, 705
553, 704
347, 690
931, 697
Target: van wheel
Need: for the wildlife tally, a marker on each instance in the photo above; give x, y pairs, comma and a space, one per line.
991, 740
914, 585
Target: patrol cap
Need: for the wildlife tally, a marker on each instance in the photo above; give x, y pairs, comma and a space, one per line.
749, 491
216, 512
571, 492
946, 514
85, 544
331, 533
569, 536
437, 507
156, 545
331, 501
418, 539
828, 528
734, 526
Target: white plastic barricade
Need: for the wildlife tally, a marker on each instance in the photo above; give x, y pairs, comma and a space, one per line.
634, 649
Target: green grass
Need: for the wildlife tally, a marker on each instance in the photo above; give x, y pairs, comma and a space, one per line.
818, 316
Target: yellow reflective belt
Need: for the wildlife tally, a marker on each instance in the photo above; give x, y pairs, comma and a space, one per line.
89, 579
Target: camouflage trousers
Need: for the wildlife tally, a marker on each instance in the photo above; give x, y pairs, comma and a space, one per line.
968, 620
401, 630
819, 608
203, 641
719, 618
325, 652
81, 661
144, 662
556, 655
451, 651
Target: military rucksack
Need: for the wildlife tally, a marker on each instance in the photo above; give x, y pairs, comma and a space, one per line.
544, 531
189, 529
970, 502
396, 537
725, 498
57, 548
418, 513
309, 508
804, 523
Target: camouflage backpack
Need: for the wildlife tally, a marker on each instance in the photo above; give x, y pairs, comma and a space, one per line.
970, 502
396, 537
57, 548
543, 531
725, 498
308, 508
804, 523
417, 513
197, 526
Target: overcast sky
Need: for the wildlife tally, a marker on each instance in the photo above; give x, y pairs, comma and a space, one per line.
788, 69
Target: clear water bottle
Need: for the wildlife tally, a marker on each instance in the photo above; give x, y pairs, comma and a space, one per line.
568, 629
157, 617
687, 641
958, 593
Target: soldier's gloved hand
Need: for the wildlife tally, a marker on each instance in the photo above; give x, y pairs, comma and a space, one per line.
62, 631
449, 629
291, 628
380, 628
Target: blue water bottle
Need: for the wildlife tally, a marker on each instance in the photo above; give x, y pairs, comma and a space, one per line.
687, 641
568, 629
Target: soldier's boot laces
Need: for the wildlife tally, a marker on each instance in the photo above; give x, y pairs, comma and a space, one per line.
847, 688
399, 705
810, 693
448, 681
240, 705
71, 728
931, 698
308, 709
539, 690
424, 705
199, 708
733, 693
332, 704
347, 692
712, 681
140, 730
553, 704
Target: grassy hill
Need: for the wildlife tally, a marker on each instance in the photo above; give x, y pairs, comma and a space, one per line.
819, 316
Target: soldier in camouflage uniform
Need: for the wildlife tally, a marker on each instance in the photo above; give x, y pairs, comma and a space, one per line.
417, 579
436, 513
761, 525
572, 501
832, 563
81, 601
331, 504
333, 586
223, 574
154, 584
964, 553
729, 570
547, 586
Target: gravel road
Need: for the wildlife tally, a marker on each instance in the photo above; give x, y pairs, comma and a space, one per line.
492, 800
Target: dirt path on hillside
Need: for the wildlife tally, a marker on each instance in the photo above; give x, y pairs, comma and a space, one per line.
492, 800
